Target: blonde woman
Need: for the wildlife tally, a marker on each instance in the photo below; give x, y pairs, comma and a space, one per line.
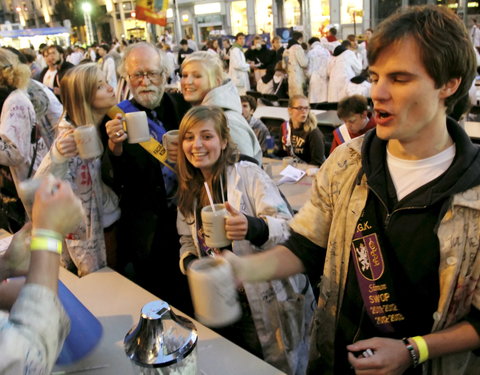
19, 145
300, 135
86, 97
276, 314
204, 82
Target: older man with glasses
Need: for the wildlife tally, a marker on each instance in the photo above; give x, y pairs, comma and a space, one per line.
148, 239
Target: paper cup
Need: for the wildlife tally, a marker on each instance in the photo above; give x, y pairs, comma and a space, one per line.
137, 127
287, 161
213, 224
169, 137
88, 142
85, 331
214, 295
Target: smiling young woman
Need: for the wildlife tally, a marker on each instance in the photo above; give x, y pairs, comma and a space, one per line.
257, 220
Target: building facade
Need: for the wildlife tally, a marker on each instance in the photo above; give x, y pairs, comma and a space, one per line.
202, 18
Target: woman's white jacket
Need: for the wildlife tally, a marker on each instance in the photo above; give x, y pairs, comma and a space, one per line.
281, 309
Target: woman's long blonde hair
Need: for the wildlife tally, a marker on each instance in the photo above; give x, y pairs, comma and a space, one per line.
311, 121
78, 89
190, 179
13, 74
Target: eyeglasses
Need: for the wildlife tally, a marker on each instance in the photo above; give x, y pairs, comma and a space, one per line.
302, 109
153, 77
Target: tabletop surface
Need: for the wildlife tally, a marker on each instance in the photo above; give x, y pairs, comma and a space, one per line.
280, 112
296, 193
473, 129
117, 302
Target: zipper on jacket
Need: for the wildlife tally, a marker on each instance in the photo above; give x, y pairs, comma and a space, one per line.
390, 214
362, 315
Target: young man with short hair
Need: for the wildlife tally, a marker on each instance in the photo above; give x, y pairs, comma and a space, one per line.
183, 52
393, 222
353, 111
239, 68
249, 105
56, 68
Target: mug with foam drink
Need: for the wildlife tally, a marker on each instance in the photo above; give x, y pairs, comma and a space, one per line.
88, 142
170, 137
213, 290
213, 224
137, 127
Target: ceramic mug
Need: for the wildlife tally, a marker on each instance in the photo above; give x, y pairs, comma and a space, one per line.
88, 142
213, 224
136, 124
213, 290
170, 137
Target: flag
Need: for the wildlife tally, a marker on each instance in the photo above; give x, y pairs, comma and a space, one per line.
152, 11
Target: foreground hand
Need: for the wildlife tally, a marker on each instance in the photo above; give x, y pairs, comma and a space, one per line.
236, 225
115, 131
56, 207
66, 145
390, 357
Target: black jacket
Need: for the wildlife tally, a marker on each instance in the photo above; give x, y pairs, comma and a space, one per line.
407, 230
264, 56
147, 227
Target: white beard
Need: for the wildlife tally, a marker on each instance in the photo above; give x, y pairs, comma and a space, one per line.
149, 100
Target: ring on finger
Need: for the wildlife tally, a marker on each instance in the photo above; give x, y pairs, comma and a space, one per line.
118, 134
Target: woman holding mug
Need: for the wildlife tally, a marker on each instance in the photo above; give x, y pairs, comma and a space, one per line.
275, 314
300, 135
86, 97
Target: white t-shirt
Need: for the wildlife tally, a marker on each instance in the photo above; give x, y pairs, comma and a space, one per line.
409, 175
49, 78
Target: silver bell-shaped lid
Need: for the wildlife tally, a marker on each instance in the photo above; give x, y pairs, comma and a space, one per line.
161, 337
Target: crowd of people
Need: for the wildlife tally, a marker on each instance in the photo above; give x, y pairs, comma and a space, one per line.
387, 243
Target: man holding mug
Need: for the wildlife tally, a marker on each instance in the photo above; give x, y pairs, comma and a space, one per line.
145, 181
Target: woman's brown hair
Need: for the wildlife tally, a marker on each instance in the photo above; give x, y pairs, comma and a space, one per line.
190, 179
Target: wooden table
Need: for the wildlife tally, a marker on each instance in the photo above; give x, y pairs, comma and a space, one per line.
296, 193
117, 302
473, 129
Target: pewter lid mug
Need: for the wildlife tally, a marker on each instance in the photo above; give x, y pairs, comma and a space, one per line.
161, 337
